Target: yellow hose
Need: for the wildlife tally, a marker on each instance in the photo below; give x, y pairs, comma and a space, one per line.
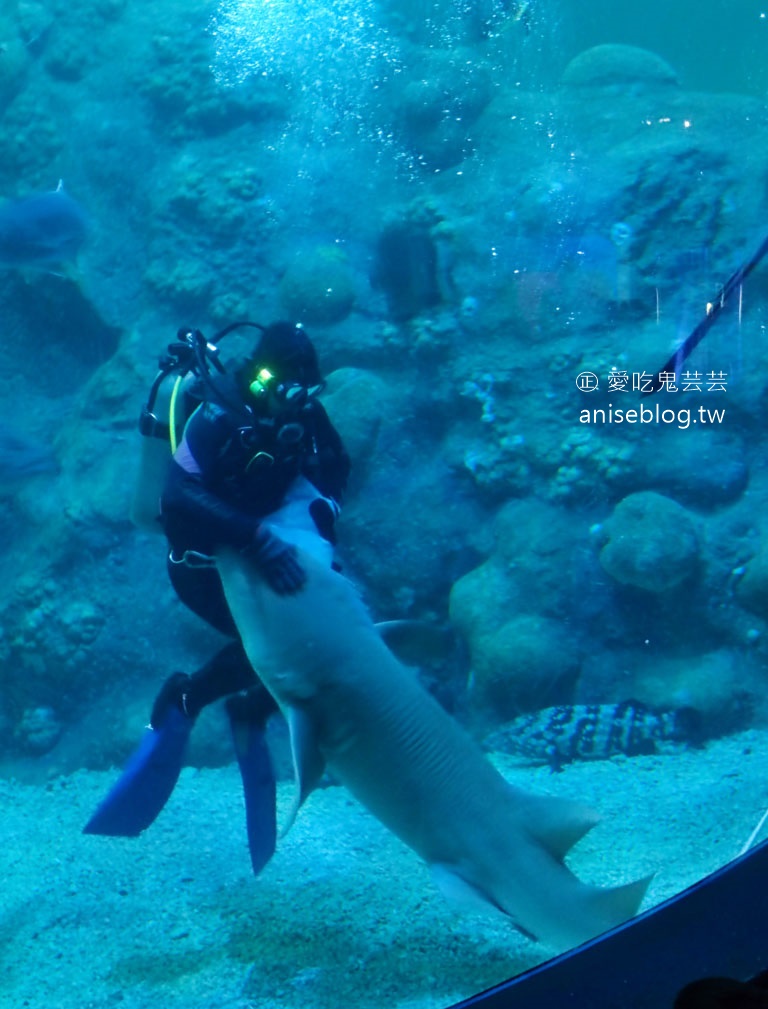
172, 413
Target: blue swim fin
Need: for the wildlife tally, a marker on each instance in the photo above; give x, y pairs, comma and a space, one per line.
145, 785
258, 786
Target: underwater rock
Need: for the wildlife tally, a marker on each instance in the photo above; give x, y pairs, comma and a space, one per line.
543, 554
108, 397
81, 622
481, 600
526, 664
413, 265
652, 543
538, 569
437, 103
38, 731
701, 467
356, 401
65, 64
499, 469
318, 287
522, 665
177, 84
22, 457
717, 684
30, 138
587, 458
406, 268
55, 316
187, 283
202, 203
518, 662
752, 587
413, 529
614, 64
14, 62
110, 10
34, 22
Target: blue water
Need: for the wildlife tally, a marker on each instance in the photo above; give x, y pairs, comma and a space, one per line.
478, 210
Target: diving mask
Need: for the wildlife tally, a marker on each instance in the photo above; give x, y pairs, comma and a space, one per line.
294, 394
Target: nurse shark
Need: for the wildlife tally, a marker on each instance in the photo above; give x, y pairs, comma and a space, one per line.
351, 706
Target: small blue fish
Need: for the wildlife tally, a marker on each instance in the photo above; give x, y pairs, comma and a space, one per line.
42, 230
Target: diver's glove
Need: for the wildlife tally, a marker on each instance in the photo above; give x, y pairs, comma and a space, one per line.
276, 561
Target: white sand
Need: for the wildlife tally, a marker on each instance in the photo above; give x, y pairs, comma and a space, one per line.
344, 916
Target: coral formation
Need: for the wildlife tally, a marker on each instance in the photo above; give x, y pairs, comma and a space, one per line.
38, 731
521, 666
621, 65
406, 268
14, 60
507, 610
752, 583
357, 401
436, 107
652, 543
318, 287
180, 92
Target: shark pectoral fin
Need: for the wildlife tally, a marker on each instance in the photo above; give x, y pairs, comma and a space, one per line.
461, 893
468, 897
557, 824
415, 642
308, 762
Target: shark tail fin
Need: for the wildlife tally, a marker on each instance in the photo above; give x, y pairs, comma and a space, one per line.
610, 907
557, 824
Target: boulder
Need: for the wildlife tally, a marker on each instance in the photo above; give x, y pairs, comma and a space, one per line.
653, 543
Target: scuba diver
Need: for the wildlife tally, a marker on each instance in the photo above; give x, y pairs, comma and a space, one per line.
257, 441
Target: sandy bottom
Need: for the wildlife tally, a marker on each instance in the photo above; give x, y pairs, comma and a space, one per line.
344, 916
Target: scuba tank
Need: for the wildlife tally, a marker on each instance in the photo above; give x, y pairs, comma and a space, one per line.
156, 450
189, 361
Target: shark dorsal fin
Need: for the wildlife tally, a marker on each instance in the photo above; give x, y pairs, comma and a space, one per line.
556, 823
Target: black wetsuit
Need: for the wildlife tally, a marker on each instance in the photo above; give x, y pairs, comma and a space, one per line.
233, 468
